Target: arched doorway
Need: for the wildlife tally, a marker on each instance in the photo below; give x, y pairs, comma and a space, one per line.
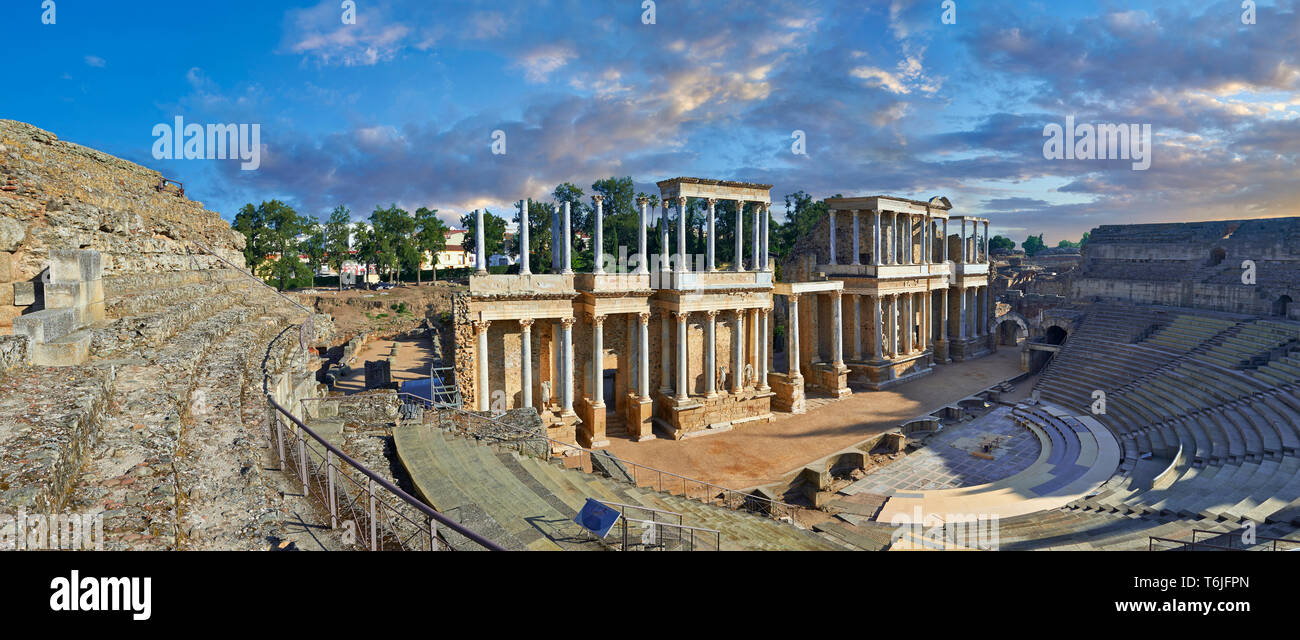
1217, 256
1282, 306
1054, 335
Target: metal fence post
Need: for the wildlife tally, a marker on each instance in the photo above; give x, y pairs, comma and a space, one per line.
302, 462
433, 534
334, 510
279, 437
374, 532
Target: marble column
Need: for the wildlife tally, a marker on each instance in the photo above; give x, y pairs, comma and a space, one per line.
792, 337
681, 235
855, 326
893, 326
757, 239
767, 239
643, 352
832, 238
567, 407
961, 318
526, 358
480, 263
738, 353
709, 260
909, 321
837, 326
598, 360
945, 242
665, 354
598, 236
481, 351
878, 335
664, 263
555, 239
944, 332
568, 241
740, 235
857, 251
875, 239
523, 239
711, 353
764, 346
641, 266
682, 339
964, 253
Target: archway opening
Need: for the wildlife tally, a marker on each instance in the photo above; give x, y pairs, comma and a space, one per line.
1282, 306
1217, 256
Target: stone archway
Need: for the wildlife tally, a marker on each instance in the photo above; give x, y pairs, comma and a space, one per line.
1010, 328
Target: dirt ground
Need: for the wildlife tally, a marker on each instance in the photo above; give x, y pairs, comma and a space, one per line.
414, 357
759, 454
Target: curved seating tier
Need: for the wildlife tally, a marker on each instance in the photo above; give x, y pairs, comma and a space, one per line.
522, 502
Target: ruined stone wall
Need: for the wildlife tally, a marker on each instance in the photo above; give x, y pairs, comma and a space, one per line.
59, 195
1197, 265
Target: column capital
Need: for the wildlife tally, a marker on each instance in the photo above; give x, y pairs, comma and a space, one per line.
597, 198
681, 201
596, 319
740, 313
644, 317
567, 322
482, 325
793, 297
837, 293
765, 311
642, 200
681, 316
525, 323
713, 202
711, 313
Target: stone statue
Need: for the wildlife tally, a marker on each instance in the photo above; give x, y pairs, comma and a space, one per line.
546, 393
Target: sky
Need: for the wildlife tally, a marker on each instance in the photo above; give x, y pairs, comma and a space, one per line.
913, 99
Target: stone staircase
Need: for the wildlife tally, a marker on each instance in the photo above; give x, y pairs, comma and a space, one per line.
523, 502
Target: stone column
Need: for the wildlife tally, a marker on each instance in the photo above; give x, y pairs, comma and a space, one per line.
878, 335
875, 239
480, 264
963, 241
597, 360
832, 216
642, 267
961, 318
482, 392
568, 242
893, 326
767, 247
526, 355
857, 251
709, 259
643, 352
945, 242
681, 235
567, 346
907, 239
837, 326
944, 332
740, 235
792, 337
711, 354
664, 263
986, 241
758, 232
909, 321
738, 353
555, 239
855, 325
896, 241
681, 317
764, 348
598, 236
665, 355
523, 240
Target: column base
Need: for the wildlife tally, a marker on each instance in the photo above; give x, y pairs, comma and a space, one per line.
640, 419
883, 374
703, 416
941, 352
591, 432
788, 394
831, 379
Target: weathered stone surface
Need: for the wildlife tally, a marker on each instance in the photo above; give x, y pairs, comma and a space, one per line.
12, 234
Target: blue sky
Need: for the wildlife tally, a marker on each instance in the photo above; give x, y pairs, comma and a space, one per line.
400, 107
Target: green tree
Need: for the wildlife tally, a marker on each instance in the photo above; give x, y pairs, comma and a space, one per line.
1000, 243
621, 214
338, 234
368, 248
272, 227
494, 231
313, 246
1033, 244
802, 215
394, 229
430, 237
1083, 242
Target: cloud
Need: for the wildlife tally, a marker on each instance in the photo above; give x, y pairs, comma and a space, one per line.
95, 61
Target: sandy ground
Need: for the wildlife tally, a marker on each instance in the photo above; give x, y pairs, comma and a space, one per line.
760, 454
414, 357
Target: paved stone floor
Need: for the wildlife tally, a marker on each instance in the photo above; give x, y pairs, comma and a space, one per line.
946, 461
758, 454
414, 357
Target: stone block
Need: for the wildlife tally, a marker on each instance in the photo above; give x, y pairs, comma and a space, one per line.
640, 420
12, 233
46, 325
24, 293
67, 351
6, 266
72, 265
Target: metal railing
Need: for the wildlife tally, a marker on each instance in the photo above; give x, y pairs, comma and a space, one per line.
374, 513
639, 475
1232, 540
638, 534
1185, 545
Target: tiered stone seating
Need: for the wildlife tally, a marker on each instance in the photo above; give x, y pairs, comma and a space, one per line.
158, 434
523, 502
